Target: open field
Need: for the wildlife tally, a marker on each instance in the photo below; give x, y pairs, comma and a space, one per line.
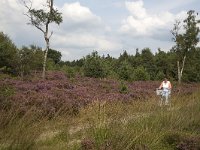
85, 113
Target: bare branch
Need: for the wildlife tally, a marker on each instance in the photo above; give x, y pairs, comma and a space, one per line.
51, 34
30, 16
40, 28
27, 15
25, 4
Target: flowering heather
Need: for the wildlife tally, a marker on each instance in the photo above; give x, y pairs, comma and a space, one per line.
49, 96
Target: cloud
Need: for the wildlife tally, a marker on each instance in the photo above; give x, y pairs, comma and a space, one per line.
81, 30
136, 9
84, 30
14, 23
84, 41
77, 13
141, 23
78, 18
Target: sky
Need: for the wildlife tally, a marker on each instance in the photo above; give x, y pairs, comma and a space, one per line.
105, 26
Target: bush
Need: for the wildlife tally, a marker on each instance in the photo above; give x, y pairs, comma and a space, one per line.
123, 88
9, 57
6, 92
140, 74
125, 71
160, 75
94, 66
69, 71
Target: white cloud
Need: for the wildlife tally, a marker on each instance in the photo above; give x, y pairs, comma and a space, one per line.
142, 23
14, 23
136, 9
83, 41
78, 18
77, 13
81, 30
78, 46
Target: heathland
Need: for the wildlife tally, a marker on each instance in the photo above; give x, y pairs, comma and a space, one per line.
89, 113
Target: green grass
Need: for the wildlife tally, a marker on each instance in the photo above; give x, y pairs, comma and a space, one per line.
138, 125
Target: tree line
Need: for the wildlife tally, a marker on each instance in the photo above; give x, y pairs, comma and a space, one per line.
181, 63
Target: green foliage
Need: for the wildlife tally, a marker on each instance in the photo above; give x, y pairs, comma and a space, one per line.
186, 40
19, 61
123, 88
162, 62
54, 55
94, 66
30, 59
124, 56
71, 72
160, 75
40, 17
8, 54
5, 93
125, 71
51, 64
192, 72
148, 62
73, 63
140, 74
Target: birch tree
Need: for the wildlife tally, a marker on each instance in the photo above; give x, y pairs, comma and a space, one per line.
41, 19
186, 40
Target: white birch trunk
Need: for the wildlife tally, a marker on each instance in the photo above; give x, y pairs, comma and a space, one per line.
45, 59
46, 37
180, 70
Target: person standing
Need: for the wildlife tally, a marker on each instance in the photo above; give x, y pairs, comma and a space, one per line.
166, 91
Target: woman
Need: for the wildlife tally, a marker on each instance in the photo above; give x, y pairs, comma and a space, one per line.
166, 90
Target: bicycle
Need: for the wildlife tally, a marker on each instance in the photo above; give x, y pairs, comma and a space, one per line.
165, 95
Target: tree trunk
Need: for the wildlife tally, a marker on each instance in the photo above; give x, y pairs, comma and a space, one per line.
21, 71
45, 58
46, 37
180, 70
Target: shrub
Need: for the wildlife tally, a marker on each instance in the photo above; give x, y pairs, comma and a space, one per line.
6, 92
69, 71
94, 66
125, 71
160, 75
140, 74
123, 88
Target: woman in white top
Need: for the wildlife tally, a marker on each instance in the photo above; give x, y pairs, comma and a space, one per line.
166, 90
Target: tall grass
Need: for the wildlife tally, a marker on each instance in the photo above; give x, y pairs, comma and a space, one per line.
143, 125
101, 125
